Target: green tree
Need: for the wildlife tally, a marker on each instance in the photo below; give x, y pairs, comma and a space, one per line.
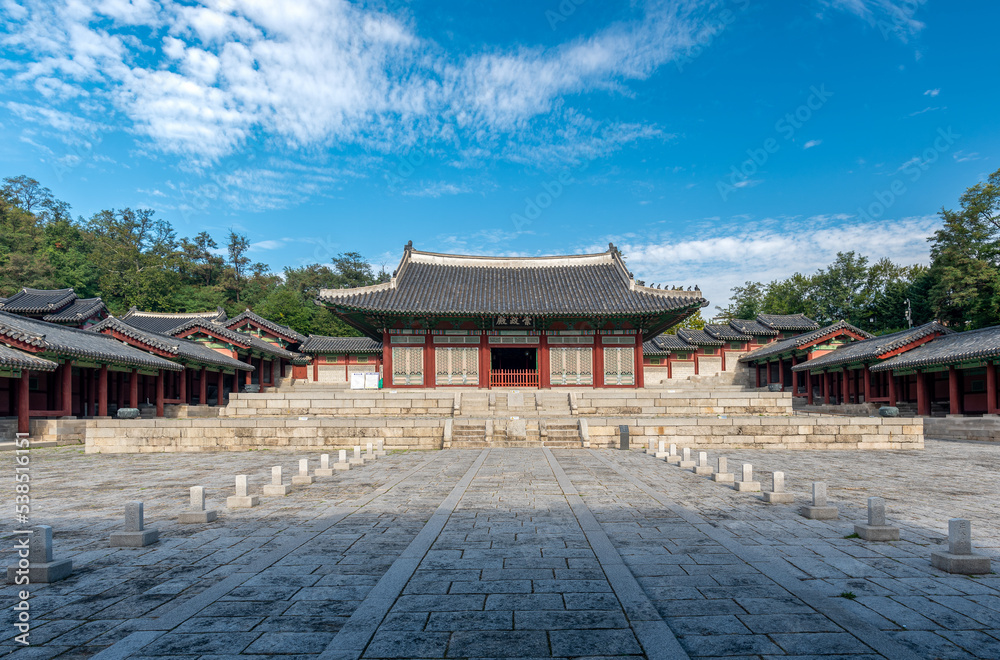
746, 302
237, 247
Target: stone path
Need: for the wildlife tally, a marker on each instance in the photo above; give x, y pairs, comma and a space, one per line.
514, 553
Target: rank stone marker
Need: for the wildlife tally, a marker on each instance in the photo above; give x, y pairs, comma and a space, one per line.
722, 473
686, 462
672, 457
650, 447
134, 536
303, 478
197, 512
777, 494
324, 469
703, 468
276, 487
661, 450
342, 463
39, 565
959, 558
370, 452
380, 448
748, 484
357, 459
876, 529
242, 499
819, 509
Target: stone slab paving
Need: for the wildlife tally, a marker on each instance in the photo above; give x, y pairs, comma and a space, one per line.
513, 553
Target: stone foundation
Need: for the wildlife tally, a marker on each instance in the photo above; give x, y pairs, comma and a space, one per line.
986, 428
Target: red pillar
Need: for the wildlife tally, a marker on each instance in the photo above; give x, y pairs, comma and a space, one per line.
991, 389
23, 396
315, 368
809, 388
159, 392
67, 389
757, 367
954, 392
923, 401
183, 394
781, 373
826, 387
867, 376
795, 377
429, 372
846, 386
640, 380
249, 379
133, 389
543, 363
670, 368
892, 388
203, 387
599, 362
102, 391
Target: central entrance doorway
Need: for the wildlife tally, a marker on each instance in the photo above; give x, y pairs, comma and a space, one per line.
514, 367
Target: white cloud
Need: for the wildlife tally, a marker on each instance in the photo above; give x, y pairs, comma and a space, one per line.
436, 189
932, 92
736, 252
893, 18
328, 72
812, 143
927, 109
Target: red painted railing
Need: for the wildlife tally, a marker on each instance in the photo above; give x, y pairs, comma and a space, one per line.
514, 378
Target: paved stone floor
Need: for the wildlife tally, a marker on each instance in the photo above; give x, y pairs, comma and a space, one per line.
513, 553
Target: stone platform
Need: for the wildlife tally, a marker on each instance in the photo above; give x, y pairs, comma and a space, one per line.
515, 553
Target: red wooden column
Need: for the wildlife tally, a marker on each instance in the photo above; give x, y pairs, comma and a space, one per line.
544, 368
809, 388
203, 387
670, 368
102, 391
781, 373
429, 371
694, 356
640, 380
387, 363
845, 386
826, 387
923, 401
159, 392
133, 389
757, 367
599, 362
892, 388
795, 378
67, 389
484, 362
316, 368
248, 379
991, 389
23, 396
867, 376
954, 392
182, 394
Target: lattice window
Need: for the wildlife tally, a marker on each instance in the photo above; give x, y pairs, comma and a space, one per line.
571, 366
407, 366
456, 366
619, 366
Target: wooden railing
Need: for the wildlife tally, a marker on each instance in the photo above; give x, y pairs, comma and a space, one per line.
514, 378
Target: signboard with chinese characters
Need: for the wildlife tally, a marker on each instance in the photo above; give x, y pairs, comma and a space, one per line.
509, 322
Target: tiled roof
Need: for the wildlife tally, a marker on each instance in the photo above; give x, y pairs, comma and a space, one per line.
38, 301
870, 349
79, 310
652, 349
262, 346
785, 345
949, 349
787, 321
164, 323
726, 333
281, 330
11, 358
671, 343
431, 283
752, 328
187, 350
241, 339
81, 344
321, 344
698, 337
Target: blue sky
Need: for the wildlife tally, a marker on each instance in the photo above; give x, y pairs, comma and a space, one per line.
713, 142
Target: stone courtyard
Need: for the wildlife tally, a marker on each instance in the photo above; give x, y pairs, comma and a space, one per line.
528, 553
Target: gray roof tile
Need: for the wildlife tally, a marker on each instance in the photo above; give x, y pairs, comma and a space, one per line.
321, 344
785, 345
870, 349
948, 349
11, 358
38, 301
752, 328
79, 310
787, 321
281, 330
184, 349
698, 337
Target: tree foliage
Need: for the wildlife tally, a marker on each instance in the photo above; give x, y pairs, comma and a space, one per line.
131, 258
960, 288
